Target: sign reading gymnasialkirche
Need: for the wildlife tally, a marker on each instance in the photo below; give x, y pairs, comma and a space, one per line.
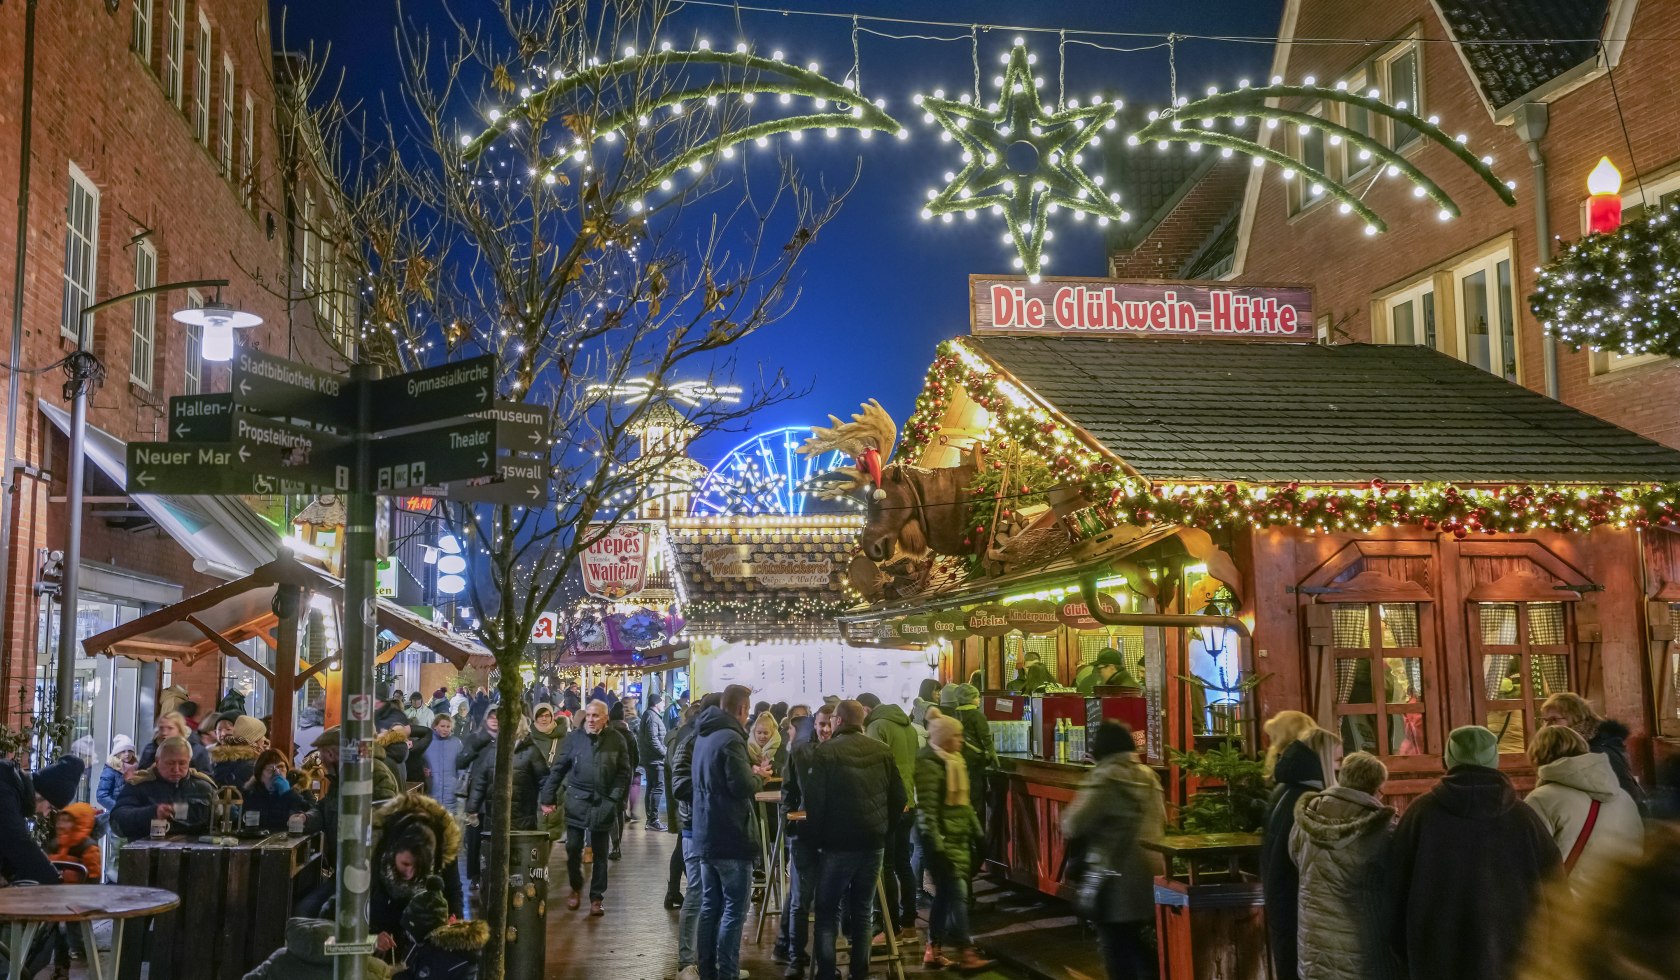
1078, 307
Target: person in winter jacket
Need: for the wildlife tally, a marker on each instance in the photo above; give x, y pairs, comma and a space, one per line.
73, 840
414, 763
1119, 806
949, 829
1306, 765
304, 957
232, 761
962, 702
442, 759
927, 696
170, 790
889, 724
414, 838
390, 763
1604, 736
1576, 785
593, 767
1282, 729
122, 763
173, 725
682, 791
1469, 862
764, 743
725, 828
474, 747
389, 714
529, 771
443, 947
21, 858
853, 794
1340, 845
618, 718
269, 792
794, 932
548, 730
650, 750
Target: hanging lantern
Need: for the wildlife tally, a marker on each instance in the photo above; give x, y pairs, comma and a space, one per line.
1604, 207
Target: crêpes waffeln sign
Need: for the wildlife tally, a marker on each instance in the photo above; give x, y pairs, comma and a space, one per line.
616, 564
1139, 308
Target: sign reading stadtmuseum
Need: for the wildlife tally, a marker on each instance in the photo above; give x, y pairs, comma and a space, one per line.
1139, 308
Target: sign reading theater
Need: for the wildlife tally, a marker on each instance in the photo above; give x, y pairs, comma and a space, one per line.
1141, 308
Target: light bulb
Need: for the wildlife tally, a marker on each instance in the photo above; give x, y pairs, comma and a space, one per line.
1605, 178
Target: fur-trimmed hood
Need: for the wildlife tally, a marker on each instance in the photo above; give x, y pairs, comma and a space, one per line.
233, 749
419, 823
1334, 818
461, 936
388, 738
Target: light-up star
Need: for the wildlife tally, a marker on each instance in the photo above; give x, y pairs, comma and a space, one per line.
1046, 174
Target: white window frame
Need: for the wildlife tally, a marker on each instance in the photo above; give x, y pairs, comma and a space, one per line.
1299, 192
1411, 295
201, 82
1608, 362
140, 29
225, 157
81, 252
145, 316
1383, 72
308, 239
175, 53
1351, 166
192, 365
1487, 262
248, 138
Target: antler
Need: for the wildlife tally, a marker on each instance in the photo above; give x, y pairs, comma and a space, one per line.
838, 484
870, 429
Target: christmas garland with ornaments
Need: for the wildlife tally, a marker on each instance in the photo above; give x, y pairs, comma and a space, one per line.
1072, 463
1616, 291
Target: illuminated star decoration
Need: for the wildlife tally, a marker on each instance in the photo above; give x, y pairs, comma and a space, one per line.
1054, 178
692, 394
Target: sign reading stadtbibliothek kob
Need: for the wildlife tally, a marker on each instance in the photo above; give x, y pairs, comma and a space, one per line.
1077, 307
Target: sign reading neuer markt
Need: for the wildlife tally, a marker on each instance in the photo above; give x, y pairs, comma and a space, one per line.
1139, 308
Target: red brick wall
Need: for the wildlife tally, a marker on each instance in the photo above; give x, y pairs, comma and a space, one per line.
103, 107
1177, 237
1348, 269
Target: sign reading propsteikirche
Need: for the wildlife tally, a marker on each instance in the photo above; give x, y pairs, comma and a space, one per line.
1139, 308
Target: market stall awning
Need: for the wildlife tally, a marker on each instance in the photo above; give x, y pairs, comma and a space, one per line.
766, 577
225, 538
1205, 411
244, 609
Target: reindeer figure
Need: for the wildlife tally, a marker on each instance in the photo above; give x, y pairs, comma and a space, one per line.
911, 510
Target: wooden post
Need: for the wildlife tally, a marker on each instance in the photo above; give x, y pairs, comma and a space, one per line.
288, 602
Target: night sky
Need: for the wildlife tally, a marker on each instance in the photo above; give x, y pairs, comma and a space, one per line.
881, 287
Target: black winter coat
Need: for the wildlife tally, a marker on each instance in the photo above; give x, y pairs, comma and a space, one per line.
273, 810
1298, 772
420, 825
21, 859
623, 729
799, 748
724, 785
472, 744
193, 798
852, 792
529, 771
1469, 861
1611, 741
233, 765
595, 771
419, 739
682, 774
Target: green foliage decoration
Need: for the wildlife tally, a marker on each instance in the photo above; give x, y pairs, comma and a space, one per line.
1616, 291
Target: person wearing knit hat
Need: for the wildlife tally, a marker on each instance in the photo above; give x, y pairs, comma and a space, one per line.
251, 730
1469, 862
123, 762
962, 702
442, 947
948, 695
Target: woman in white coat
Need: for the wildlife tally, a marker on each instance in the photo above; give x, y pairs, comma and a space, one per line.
1578, 787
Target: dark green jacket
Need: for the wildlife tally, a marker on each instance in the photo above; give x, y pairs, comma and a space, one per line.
948, 830
888, 723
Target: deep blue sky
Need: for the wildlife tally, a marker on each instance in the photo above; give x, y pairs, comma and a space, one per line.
881, 287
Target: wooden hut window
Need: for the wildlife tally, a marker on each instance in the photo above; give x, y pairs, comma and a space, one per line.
1380, 640
1525, 657
1014, 644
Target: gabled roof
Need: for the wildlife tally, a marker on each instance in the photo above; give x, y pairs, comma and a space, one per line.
1513, 46
1215, 410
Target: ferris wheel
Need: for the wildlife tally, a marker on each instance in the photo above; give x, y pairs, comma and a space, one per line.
763, 475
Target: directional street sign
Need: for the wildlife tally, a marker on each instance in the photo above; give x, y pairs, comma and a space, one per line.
304, 454
517, 483
270, 385
207, 468
521, 428
460, 451
434, 394
200, 418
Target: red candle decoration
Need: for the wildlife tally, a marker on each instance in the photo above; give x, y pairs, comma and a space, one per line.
1604, 207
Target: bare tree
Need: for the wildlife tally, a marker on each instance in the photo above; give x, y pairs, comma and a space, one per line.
565, 190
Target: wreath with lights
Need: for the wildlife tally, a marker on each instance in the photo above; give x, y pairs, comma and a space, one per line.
1617, 291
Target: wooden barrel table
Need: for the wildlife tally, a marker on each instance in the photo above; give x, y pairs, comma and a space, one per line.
235, 900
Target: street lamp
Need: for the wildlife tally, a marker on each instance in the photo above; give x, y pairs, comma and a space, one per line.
217, 320
85, 371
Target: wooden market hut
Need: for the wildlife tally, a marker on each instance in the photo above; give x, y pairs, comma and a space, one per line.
1348, 514
269, 605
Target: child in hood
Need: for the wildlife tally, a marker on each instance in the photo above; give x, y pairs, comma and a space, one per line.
72, 842
122, 763
443, 947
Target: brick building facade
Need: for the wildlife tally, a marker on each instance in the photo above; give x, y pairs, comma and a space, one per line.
1462, 285
156, 157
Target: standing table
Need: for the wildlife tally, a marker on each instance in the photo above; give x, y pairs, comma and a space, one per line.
25, 909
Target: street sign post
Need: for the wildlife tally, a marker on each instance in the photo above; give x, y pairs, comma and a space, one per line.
434, 394
304, 455
518, 483
459, 451
269, 385
200, 418
520, 428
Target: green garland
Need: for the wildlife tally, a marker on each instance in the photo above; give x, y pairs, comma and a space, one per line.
1618, 291
1028, 481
